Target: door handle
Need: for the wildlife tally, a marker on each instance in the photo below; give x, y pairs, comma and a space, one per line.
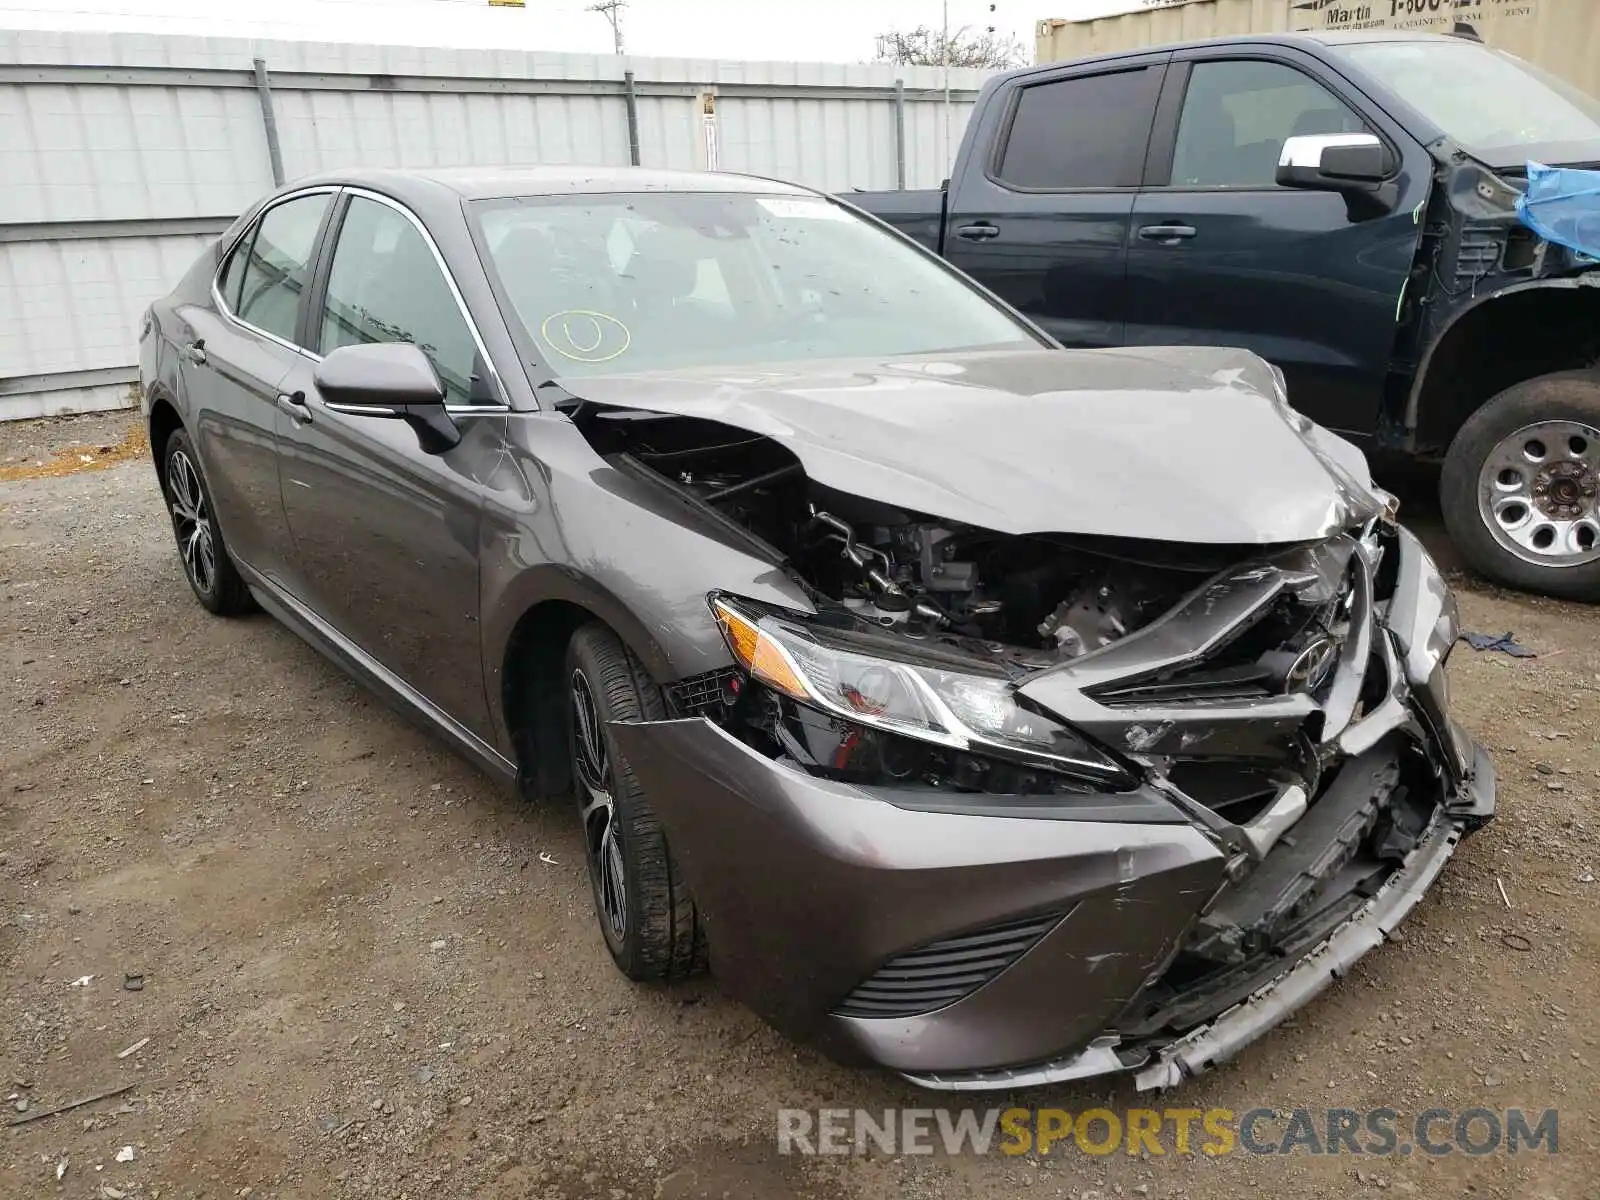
196, 353
1167, 234
295, 408
979, 232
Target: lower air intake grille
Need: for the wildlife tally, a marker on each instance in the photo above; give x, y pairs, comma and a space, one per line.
700, 695
941, 973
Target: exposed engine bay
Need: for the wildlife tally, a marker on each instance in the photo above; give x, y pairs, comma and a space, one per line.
1281, 699
1025, 602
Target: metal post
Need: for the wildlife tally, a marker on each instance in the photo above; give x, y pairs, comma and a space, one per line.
946, 57
632, 98
264, 92
900, 134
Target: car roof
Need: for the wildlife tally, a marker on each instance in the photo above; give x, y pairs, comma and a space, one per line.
485, 183
1346, 37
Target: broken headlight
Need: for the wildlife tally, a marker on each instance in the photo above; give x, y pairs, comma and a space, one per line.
960, 709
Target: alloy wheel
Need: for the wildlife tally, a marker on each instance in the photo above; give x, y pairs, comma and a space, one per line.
1537, 493
191, 522
592, 766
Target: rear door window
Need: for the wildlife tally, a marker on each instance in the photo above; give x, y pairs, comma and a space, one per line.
277, 268
1089, 131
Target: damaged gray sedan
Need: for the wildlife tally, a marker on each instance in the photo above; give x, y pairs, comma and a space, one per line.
995, 713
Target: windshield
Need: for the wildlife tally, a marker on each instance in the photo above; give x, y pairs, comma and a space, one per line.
1499, 108
639, 281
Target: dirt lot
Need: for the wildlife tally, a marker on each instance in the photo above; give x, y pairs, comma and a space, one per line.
366, 972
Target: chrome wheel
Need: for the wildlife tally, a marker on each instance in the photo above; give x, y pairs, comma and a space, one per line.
591, 763
1537, 493
191, 522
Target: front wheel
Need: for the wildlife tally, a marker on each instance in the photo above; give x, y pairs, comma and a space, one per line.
1520, 488
644, 908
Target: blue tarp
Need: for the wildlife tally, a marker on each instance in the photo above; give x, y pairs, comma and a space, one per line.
1562, 205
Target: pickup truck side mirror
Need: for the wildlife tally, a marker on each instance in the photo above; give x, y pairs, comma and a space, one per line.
1334, 162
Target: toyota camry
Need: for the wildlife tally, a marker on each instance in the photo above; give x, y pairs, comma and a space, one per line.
989, 711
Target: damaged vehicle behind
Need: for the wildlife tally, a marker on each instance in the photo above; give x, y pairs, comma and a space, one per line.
1355, 207
995, 713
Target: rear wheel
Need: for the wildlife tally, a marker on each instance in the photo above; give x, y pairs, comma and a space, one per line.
644, 908
206, 563
1521, 486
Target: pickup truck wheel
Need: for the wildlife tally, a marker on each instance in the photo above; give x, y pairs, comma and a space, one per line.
1521, 486
643, 906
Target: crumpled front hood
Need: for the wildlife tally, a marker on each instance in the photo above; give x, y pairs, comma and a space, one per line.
1173, 444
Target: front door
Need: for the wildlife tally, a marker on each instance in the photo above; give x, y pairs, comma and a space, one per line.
1044, 224
387, 534
1222, 256
240, 350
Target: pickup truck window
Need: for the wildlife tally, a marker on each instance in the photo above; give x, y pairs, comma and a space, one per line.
1088, 131
1236, 116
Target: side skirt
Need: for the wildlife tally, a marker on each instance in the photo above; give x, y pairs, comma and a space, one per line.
337, 648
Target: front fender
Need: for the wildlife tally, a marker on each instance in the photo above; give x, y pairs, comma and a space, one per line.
1413, 409
563, 524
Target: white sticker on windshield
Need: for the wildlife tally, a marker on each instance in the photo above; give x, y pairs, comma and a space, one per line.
802, 209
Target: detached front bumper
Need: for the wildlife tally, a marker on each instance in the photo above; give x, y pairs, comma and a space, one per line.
1242, 1024
993, 945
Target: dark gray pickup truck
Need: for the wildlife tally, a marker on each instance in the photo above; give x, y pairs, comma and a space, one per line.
1342, 204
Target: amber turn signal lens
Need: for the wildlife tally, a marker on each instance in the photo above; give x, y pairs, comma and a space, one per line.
757, 653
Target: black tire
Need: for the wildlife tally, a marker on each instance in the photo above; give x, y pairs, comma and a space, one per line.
1567, 396
658, 936
206, 562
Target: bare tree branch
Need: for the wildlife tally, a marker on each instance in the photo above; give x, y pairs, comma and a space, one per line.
925, 47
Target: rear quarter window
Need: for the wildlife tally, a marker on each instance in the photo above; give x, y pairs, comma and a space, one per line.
233, 271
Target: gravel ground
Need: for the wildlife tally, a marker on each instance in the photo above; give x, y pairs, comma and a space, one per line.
366, 972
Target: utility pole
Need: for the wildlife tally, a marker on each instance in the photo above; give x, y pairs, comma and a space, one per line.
611, 10
945, 56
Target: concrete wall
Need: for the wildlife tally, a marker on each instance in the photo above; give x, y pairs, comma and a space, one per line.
122, 155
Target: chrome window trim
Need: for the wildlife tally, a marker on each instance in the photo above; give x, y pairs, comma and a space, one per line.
455, 292
438, 258
216, 276
361, 410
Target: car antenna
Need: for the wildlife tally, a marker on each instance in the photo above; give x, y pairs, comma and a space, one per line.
1465, 30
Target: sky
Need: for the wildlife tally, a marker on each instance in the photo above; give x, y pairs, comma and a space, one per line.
811, 30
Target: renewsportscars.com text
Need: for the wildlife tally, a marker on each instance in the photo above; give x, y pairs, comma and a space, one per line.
1164, 1131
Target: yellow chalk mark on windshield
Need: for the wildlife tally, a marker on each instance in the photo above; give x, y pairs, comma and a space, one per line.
598, 337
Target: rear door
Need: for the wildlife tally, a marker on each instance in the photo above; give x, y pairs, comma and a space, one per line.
241, 350
387, 534
1042, 218
1223, 256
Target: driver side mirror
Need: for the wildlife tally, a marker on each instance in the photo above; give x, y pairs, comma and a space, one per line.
1334, 162
389, 379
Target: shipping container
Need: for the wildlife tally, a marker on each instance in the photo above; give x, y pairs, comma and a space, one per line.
1562, 36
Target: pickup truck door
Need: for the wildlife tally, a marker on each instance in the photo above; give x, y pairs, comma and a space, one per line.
1221, 255
1039, 210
